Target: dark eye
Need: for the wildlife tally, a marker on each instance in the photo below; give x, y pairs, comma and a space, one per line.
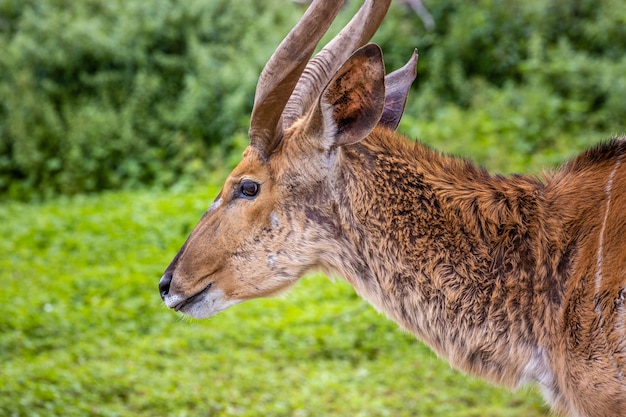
249, 188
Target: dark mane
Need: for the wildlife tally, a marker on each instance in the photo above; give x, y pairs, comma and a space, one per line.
604, 152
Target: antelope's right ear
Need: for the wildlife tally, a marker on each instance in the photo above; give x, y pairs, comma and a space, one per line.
352, 103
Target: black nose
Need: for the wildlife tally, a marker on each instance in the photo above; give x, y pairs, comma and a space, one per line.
164, 283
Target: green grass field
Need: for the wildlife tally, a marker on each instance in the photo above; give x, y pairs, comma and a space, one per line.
83, 331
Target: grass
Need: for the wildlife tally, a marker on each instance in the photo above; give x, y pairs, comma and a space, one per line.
83, 331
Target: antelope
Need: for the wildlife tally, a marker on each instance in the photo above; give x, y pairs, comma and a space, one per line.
516, 279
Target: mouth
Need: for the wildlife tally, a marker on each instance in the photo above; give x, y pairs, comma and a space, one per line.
188, 301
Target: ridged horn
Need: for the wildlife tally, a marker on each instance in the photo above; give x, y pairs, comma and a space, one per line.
282, 71
320, 69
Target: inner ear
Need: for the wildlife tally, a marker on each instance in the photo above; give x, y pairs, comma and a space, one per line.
352, 103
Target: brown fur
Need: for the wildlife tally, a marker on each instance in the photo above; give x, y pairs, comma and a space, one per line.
513, 279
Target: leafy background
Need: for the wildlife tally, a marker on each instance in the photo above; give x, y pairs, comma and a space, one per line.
119, 120
99, 95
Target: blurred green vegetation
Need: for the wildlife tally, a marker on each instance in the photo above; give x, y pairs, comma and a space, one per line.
83, 331
98, 95
109, 94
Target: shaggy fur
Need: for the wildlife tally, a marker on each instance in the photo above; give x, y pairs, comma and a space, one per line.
511, 279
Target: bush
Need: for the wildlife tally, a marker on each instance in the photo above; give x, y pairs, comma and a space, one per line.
97, 95
515, 85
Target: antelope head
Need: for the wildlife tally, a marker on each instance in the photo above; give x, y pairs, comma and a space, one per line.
276, 216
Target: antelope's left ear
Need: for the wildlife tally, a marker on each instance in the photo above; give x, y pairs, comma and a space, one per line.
352, 103
397, 85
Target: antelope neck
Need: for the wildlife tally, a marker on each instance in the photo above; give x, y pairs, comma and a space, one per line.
466, 246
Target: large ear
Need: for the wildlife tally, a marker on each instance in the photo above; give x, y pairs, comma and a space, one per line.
351, 104
397, 86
